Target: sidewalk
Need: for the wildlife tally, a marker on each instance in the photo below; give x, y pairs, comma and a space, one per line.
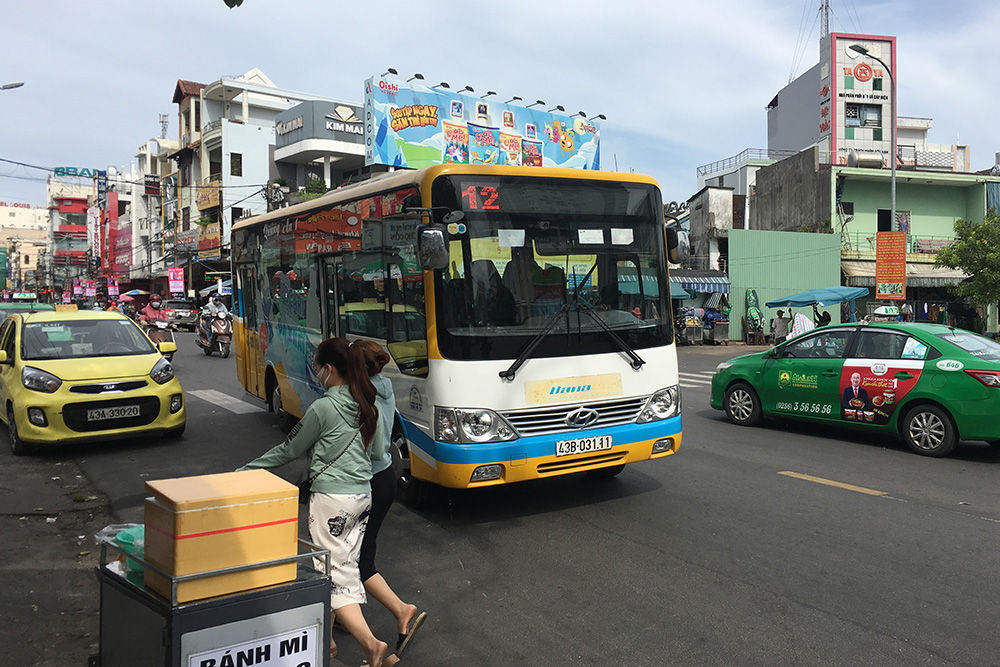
48, 591
49, 594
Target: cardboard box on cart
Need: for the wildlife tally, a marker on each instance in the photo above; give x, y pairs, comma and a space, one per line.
211, 522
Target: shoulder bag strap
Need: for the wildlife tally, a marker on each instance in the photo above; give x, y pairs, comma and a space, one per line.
356, 434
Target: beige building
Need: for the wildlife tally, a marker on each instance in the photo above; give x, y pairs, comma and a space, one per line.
24, 233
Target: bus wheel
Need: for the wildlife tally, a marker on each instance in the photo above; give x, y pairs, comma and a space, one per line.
412, 492
285, 420
607, 473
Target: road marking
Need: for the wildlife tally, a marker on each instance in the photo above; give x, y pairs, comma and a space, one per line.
694, 380
830, 482
226, 401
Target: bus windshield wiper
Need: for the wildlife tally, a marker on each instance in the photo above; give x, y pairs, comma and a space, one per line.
637, 361
533, 343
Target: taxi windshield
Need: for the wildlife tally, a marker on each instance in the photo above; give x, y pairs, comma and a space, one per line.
82, 338
977, 346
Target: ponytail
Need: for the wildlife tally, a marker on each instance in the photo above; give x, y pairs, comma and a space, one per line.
350, 361
375, 356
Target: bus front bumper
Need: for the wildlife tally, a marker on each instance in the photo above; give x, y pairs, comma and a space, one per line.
461, 466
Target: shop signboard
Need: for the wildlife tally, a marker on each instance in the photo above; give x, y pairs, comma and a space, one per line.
208, 241
112, 288
412, 125
208, 196
890, 265
175, 278
152, 184
77, 287
91, 288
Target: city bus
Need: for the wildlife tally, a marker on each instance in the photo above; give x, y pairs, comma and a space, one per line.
526, 311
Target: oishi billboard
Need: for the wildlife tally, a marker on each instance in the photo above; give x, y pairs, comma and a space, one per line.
415, 126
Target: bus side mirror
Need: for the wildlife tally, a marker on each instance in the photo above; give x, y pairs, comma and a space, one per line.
432, 248
672, 244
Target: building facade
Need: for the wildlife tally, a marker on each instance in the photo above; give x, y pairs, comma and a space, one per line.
25, 238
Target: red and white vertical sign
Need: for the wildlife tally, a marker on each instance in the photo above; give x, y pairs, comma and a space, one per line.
175, 278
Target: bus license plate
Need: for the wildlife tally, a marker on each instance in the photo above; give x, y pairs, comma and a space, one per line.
120, 412
583, 445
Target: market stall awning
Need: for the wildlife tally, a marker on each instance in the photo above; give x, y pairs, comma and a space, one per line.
701, 281
861, 273
717, 301
628, 284
824, 296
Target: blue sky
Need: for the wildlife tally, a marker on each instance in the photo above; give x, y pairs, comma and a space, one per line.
681, 83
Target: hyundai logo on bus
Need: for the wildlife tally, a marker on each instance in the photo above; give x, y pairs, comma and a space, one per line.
582, 417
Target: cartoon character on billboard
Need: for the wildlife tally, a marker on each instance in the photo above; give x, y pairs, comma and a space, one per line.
558, 134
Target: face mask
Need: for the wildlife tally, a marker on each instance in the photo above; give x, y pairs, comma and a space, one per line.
320, 375
155, 304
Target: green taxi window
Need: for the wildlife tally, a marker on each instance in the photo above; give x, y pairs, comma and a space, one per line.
977, 346
881, 345
824, 345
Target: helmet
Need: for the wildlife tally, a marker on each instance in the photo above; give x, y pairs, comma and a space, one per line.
155, 300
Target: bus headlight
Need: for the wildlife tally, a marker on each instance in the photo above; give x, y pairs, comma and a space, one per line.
470, 425
662, 404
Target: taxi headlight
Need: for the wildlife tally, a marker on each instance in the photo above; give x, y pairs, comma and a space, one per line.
723, 366
38, 380
663, 404
471, 425
162, 371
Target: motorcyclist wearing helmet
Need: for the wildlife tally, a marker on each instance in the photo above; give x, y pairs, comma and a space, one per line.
152, 312
214, 308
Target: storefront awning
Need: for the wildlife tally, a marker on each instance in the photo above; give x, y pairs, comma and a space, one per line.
861, 273
709, 283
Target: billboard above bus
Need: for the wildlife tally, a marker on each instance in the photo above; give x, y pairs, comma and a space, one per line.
414, 126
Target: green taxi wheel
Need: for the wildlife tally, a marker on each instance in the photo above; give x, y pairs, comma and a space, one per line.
742, 404
929, 431
993, 443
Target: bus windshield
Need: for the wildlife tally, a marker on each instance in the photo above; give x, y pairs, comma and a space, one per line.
531, 247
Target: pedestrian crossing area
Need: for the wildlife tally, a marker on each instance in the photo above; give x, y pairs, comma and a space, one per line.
695, 380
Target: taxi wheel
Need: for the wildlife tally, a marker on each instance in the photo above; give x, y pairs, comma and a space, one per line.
742, 404
928, 430
17, 446
993, 443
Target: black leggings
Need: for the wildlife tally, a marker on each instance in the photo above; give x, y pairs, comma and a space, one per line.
383, 493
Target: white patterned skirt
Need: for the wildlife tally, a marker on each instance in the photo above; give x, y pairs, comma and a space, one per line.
337, 523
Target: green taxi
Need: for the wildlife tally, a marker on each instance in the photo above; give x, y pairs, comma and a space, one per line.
930, 384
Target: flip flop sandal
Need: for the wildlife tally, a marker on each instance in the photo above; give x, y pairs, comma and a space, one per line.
405, 638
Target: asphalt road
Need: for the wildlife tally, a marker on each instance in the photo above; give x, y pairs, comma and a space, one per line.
777, 545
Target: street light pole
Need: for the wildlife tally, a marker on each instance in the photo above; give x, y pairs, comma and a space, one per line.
857, 48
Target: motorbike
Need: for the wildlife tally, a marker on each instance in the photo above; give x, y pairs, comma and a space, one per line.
680, 331
219, 337
160, 331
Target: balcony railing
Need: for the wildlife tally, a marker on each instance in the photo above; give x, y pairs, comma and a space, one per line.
742, 159
864, 243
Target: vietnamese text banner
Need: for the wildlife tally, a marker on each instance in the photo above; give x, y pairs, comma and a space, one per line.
415, 126
890, 265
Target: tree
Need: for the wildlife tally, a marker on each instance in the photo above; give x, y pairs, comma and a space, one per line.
976, 251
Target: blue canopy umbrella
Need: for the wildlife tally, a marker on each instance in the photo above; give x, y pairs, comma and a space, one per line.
825, 296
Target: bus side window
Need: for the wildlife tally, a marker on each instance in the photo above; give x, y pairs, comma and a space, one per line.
407, 336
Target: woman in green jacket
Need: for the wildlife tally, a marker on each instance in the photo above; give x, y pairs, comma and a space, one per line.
340, 434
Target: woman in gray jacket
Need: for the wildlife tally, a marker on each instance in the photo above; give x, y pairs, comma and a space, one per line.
408, 618
340, 434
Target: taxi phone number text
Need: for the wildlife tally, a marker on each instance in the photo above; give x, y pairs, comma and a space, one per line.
810, 408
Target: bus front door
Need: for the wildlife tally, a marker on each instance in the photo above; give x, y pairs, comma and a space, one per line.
249, 353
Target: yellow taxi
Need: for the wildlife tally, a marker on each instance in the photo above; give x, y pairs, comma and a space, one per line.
69, 377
